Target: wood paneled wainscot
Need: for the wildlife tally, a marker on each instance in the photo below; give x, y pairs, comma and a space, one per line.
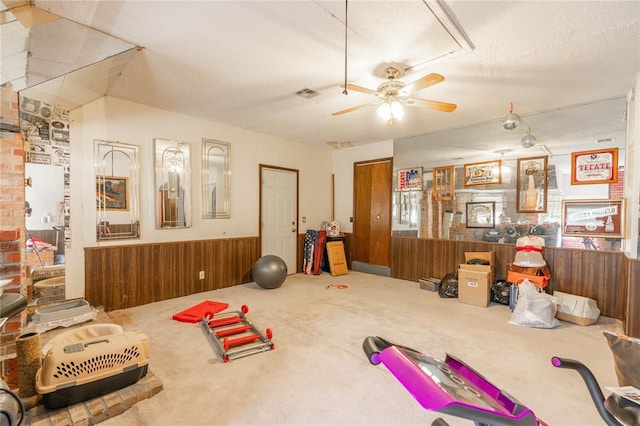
125, 276
608, 277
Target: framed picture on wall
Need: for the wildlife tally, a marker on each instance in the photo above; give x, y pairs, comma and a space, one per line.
593, 218
410, 179
531, 185
485, 173
443, 183
481, 214
591, 167
112, 193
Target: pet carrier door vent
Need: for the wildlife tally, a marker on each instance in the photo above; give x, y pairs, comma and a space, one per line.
97, 363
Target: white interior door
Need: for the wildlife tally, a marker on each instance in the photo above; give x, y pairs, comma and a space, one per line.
279, 214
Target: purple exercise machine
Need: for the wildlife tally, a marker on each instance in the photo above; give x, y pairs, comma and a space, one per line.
452, 387
449, 386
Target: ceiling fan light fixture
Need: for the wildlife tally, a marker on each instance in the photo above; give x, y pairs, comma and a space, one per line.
384, 111
394, 93
390, 111
396, 109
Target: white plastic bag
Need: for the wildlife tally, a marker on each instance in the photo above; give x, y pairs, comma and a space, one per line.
534, 308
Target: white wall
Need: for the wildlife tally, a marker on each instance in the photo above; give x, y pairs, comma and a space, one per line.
114, 119
343, 160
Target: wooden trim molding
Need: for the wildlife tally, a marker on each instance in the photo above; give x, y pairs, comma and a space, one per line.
118, 277
608, 277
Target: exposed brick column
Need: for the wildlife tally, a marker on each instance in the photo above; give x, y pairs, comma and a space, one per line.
616, 190
12, 223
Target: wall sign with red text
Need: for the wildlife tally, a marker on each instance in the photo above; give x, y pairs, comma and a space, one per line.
410, 179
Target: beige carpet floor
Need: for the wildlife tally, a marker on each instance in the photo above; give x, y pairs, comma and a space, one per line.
318, 373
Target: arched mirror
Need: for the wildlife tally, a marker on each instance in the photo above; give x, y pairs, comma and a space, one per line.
117, 191
172, 165
215, 179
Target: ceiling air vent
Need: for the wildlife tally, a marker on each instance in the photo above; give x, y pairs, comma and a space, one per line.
605, 140
338, 145
307, 93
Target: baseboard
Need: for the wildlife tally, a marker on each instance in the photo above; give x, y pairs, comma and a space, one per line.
369, 268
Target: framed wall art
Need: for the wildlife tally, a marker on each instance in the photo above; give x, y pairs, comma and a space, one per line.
485, 173
481, 214
112, 193
443, 183
410, 179
593, 218
531, 184
592, 167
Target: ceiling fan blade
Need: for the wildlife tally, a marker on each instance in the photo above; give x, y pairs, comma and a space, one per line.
344, 111
421, 83
438, 106
359, 89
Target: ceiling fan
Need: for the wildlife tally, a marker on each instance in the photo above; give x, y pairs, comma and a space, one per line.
394, 93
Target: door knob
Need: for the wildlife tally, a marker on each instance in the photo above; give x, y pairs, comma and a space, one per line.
293, 229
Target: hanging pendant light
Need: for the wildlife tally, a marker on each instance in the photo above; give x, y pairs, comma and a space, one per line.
528, 140
511, 121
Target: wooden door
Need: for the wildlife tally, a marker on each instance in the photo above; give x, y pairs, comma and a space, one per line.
372, 211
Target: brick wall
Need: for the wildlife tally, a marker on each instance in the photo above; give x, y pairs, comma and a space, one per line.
616, 190
12, 222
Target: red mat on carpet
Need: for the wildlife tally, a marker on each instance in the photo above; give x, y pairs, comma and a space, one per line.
197, 312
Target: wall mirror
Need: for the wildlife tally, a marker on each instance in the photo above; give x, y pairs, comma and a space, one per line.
534, 181
172, 182
117, 190
215, 179
47, 223
45, 129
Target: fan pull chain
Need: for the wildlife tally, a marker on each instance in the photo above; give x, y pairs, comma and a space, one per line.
346, 30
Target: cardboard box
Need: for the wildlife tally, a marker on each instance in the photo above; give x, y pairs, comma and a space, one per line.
337, 258
475, 281
474, 287
41, 258
489, 256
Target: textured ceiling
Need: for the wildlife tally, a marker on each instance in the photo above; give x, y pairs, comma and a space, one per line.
242, 62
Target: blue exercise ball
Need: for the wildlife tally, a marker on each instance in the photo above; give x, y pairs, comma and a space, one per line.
269, 271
